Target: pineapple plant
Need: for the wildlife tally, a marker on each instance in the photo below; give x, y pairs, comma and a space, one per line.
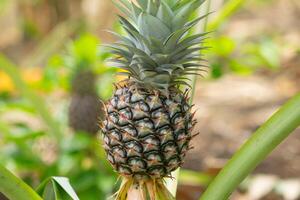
85, 109
148, 123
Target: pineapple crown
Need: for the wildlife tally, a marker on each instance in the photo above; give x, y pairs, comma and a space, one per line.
158, 50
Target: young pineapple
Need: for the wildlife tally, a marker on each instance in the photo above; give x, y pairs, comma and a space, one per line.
85, 109
149, 122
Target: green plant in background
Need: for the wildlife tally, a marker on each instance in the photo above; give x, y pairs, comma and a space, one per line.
86, 78
30, 151
62, 68
242, 58
31, 96
233, 55
85, 111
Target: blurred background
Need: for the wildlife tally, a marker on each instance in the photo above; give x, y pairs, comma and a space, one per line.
53, 73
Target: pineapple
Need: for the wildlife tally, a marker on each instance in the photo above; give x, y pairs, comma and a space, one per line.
85, 109
149, 121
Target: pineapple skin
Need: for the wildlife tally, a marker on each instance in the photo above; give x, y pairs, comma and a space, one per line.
85, 113
146, 133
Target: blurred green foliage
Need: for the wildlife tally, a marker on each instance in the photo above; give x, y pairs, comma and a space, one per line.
85, 52
30, 153
3, 3
26, 146
242, 56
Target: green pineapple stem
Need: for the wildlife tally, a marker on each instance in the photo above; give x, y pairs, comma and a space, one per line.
35, 100
255, 150
14, 188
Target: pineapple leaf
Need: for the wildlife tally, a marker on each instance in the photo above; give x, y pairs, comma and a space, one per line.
175, 82
138, 59
173, 39
134, 50
189, 59
195, 21
121, 52
194, 66
139, 41
126, 24
170, 3
176, 36
165, 14
151, 7
123, 7
183, 78
157, 49
136, 11
170, 68
186, 52
194, 70
152, 27
193, 74
186, 41
161, 58
121, 37
118, 61
143, 4
184, 13
126, 74
186, 44
126, 3
132, 70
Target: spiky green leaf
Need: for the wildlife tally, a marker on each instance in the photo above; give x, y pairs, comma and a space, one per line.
152, 27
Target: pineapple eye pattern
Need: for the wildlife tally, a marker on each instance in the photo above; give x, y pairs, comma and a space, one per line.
149, 136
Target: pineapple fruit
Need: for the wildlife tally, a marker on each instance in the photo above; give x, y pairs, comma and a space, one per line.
85, 109
149, 121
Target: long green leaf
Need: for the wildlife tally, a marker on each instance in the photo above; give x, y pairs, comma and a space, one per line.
14, 188
143, 4
184, 13
152, 27
255, 150
55, 188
